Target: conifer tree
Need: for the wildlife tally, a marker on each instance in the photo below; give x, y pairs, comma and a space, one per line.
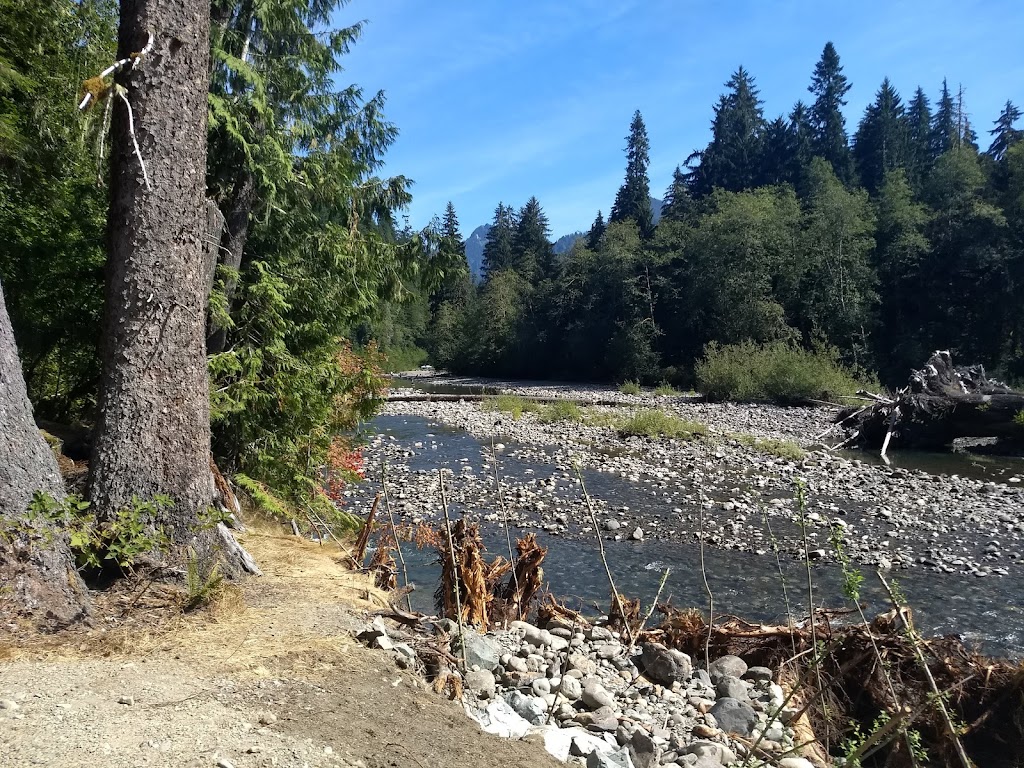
880, 144
830, 86
1004, 134
532, 253
677, 203
633, 200
919, 123
778, 158
498, 249
596, 232
733, 159
945, 134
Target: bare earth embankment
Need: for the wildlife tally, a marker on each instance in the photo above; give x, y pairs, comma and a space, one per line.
269, 676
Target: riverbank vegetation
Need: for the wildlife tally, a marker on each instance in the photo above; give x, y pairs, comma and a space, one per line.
784, 238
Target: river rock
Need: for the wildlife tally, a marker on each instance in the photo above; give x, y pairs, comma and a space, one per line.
713, 750
481, 651
481, 682
731, 687
500, 719
757, 674
734, 716
571, 688
727, 665
583, 664
530, 708
665, 665
618, 759
795, 762
638, 534
642, 750
595, 695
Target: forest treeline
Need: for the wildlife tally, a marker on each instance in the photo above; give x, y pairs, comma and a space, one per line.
883, 246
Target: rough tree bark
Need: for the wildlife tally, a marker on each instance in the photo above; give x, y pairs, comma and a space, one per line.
36, 568
153, 430
941, 403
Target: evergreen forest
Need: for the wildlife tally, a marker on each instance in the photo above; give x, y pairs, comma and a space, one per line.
873, 243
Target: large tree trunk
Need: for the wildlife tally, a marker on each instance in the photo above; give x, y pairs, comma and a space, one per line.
36, 567
153, 430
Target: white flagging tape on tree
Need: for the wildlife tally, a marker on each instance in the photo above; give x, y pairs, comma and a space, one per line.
129, 62
131, 130
97, 89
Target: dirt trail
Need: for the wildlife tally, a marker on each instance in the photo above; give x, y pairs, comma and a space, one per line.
270, 676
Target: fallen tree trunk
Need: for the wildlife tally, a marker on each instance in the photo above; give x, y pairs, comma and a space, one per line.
940, 404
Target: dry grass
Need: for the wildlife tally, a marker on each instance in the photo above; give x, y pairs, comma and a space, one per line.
303, 608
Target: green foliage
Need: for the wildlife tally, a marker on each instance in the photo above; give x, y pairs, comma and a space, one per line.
1018, 418
561, 410
203, 581
782, 449
633, 200
263, 498
652, 423
781, 373
121, 540
515, 405
666, 390
53, 202
630, 388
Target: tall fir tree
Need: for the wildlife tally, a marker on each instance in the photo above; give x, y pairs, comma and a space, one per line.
532, 253
597, 230
829, 87
944, 134
777, 160
633, 200
1004, 134
919, 125
498, 248
880, 144
733, 158
677, 203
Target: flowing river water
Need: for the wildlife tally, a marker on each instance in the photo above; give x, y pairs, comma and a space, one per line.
986, 612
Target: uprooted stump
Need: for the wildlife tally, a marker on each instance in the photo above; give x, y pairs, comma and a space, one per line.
985, 697
941, 403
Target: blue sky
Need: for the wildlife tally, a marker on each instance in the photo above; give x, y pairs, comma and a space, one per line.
497, 100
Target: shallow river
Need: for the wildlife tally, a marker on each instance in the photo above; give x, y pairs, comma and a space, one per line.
986, 612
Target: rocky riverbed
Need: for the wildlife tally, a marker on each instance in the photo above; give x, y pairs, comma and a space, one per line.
888, 517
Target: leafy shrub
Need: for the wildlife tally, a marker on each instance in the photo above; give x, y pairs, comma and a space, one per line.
1018, 418
667, 390
122, 540
561, 410
779, 372
651, 423
516, 405
630, 388
203, 581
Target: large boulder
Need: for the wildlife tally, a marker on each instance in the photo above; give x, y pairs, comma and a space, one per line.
665, 665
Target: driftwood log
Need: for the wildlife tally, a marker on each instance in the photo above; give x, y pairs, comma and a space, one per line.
940, 404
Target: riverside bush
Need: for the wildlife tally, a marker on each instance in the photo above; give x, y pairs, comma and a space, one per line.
651, 423
630, 388
561, 410
516, 405
783, 449
780, 372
